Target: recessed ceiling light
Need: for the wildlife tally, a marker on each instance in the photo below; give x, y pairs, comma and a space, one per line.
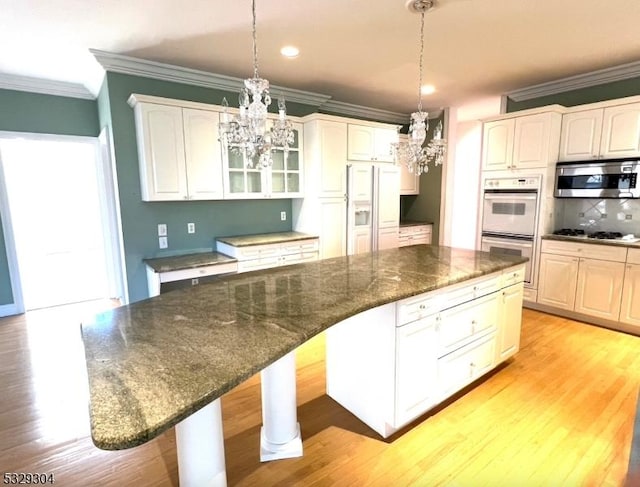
290, 51
428, 89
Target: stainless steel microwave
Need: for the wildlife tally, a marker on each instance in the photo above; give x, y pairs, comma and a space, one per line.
604, 179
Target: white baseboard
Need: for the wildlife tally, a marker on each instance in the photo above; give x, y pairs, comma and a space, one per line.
8, 310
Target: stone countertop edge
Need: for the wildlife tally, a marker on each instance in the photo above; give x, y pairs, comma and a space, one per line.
597, 241
265, 238
155, 362
188, 261
411, 223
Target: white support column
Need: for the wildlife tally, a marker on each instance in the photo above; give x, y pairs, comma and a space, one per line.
200, 445
280, 433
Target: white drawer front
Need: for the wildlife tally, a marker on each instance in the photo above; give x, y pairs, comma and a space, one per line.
412, 309
464, 322
256, 264
467, 292
299, 257
463, 366
310, 245
589, 251
209, 270
633, 256
512, 276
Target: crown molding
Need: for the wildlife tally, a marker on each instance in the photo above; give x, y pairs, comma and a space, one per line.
348, 109
151, 69
44, 86
607, 75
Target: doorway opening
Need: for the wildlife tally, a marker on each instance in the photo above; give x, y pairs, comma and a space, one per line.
58, 220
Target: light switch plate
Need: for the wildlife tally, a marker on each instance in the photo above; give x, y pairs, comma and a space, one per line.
191, 228
162, 229
283, 216
162, 242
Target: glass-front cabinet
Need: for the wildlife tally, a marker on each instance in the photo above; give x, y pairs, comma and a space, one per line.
282, 180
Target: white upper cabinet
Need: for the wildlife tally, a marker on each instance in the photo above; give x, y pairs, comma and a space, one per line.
371, 144
580, 136
621, 131
282, 180
525, 142
179, 152
202, 154
601, 133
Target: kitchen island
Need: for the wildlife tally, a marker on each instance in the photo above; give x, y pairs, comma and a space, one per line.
167, 360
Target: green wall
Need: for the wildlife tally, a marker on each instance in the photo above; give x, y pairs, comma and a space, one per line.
582, 96
426, 205
46, 114
140, 219
6, 296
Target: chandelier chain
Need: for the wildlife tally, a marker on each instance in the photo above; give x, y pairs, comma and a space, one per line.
255, 43
421, 60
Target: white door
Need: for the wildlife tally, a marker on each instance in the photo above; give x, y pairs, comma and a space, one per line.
333, 164
383, 140
621, 131
203, 154
56, 219
630, 310
361, 143
510, 321
388, 189
362, 236
361, 182
333, 227
497, 144
580, 135
531, 141
599, 288
557, 281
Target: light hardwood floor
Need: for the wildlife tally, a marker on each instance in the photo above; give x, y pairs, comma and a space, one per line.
560, 413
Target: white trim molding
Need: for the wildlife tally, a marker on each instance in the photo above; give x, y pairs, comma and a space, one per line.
601, 76
343, 108
118, 63
44, 86
8, 310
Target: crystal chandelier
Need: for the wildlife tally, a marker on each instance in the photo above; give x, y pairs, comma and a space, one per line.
412, 152
247, 133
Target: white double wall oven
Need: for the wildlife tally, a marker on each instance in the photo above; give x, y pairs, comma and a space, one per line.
510, 208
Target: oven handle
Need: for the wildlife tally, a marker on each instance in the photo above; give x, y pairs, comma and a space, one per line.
518, 196
507, 241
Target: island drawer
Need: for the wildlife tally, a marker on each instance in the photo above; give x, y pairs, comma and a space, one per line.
512, 276
310, 245
463, 366
465, 322
477, 288
418, 307
197, 272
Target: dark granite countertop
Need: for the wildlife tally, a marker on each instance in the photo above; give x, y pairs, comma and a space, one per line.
413, 223
264, 238
188, 261
155, 362
598, 241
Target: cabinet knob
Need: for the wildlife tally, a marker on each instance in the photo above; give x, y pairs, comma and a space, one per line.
422, 306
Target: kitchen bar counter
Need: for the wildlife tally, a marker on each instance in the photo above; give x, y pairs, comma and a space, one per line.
153, 363
187, 261
264, 238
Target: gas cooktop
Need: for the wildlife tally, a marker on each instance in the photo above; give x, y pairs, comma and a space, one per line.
580, 233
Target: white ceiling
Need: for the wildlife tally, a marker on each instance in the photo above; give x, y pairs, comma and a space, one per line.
363, 52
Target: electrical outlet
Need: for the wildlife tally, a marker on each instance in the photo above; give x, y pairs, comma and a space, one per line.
283, 215
195, 281
603, 216
191, 228
581, 215
162, 229
628, 217
162, 242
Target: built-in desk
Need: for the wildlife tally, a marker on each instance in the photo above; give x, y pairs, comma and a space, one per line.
166, 361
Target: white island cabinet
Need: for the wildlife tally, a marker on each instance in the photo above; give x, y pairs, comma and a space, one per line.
391, 364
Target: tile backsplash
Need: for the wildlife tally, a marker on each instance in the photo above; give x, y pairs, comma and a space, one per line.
595, 215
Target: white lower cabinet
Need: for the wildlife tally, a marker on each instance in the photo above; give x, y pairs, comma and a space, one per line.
630, 308
583, 278
599, 288
509, 321
416, 368
557, 281
391, 364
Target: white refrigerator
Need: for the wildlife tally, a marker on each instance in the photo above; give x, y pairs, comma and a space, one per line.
373, 207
